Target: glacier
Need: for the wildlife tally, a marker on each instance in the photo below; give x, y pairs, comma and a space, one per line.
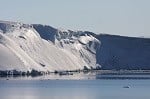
27, 47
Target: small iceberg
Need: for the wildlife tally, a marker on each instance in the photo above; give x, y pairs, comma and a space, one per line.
126, 86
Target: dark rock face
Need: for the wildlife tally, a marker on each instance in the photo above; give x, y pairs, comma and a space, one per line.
117, 52
46, 32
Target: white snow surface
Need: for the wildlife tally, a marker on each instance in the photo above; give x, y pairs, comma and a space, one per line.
22, 49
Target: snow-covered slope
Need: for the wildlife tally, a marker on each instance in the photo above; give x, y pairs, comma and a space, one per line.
24, 47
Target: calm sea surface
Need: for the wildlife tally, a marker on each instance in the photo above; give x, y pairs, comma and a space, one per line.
74, 89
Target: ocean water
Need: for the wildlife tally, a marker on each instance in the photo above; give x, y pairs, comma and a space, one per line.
74, 89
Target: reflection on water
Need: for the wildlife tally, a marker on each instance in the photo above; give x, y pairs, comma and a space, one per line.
73, 88
52, 76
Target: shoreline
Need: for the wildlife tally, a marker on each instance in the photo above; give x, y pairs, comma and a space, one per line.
67, 72
97, 73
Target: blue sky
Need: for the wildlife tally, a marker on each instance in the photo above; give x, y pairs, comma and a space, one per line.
121, 17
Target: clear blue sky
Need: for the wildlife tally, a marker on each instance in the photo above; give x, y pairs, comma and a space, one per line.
123, 17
